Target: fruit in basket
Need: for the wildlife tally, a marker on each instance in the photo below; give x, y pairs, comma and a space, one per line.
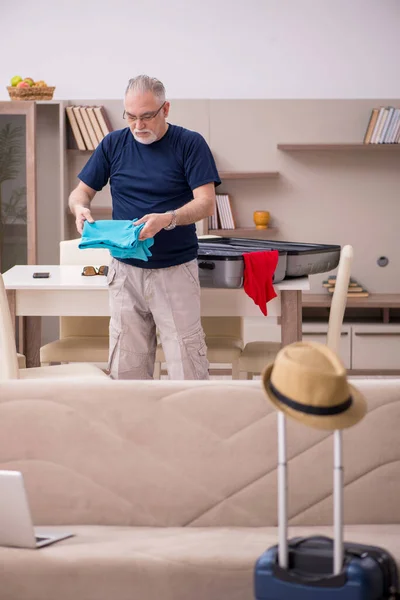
15, 80
40, 83
23, 84
29, 80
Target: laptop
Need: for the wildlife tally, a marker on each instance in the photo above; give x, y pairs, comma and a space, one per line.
16, 527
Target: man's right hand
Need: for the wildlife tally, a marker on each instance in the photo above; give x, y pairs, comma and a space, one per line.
82, 214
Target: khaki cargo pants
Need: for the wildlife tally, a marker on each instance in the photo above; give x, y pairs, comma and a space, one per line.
143, 301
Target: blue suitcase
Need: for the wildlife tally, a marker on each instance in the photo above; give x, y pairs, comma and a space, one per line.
319, 568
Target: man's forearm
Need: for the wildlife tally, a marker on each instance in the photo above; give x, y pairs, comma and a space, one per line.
78, 198
195, 210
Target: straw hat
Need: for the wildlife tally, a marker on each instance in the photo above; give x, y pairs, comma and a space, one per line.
308, 382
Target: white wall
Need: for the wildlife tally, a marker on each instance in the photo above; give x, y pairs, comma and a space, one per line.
206, 48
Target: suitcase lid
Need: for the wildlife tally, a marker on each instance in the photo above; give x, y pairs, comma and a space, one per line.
255, 245
212, 251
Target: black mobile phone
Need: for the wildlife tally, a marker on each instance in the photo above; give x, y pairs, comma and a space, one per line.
41, 275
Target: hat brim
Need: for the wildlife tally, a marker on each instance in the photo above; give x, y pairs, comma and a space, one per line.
344, 420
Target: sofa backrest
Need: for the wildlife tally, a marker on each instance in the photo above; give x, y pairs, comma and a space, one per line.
189, 453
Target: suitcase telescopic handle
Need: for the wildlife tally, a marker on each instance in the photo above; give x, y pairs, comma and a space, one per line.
336, 314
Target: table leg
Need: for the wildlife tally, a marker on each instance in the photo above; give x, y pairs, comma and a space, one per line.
11, 297
291, 316
32, 331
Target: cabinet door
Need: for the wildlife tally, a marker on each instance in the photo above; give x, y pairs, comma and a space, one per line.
317, 332
17, 184
376, 347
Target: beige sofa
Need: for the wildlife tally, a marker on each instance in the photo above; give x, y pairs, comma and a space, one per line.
170, 487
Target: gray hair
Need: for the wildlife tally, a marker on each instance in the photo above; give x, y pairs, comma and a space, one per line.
144, 83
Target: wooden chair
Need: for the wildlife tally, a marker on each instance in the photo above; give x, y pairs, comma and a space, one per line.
256, 355
9, 368
82, 339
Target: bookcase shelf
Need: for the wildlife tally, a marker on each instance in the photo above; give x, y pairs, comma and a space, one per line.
350, 146
248, 174
243, 232
222, 174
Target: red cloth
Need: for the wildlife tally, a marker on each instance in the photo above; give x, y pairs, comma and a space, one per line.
259, 268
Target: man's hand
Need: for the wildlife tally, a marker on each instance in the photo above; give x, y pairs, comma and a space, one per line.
82, 214
154, 223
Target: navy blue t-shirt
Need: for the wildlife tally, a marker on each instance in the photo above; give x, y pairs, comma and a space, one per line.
154, 178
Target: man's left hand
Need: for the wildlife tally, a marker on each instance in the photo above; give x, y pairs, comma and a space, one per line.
153, 224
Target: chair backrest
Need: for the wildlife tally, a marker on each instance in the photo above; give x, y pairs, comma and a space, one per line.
229, 327
71, 254
339, 298
8, 351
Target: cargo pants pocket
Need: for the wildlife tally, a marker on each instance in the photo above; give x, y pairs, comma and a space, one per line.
196, 354
191, 271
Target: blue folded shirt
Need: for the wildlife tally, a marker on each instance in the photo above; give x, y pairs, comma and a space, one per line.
121, 238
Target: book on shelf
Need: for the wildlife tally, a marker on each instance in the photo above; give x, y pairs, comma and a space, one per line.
75, 128
104, 122
213, 221
95, 124
355, 289
383, 126
224, 209
82, 127
89, 125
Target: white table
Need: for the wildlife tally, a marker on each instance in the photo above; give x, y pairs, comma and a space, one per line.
67, 293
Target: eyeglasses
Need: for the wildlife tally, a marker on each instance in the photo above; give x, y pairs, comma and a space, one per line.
145, 117
90, 271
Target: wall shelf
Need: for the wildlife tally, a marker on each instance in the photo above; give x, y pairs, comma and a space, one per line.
98, 212
248, 174
372, 301
349, 146
222, 174
243, 232
376, 308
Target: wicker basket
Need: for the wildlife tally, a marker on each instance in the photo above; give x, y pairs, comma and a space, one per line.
31, 93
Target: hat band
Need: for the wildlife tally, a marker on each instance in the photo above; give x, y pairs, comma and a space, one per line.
320, 411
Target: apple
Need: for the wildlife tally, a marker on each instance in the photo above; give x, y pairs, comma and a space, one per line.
29, 81
23, 84
15, 80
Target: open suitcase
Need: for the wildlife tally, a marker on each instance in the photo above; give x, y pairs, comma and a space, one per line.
221, 263
318, 568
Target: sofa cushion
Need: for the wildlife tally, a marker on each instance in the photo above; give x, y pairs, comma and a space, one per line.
122, 563
200, 453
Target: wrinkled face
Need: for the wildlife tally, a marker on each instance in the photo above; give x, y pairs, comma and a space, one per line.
146, 116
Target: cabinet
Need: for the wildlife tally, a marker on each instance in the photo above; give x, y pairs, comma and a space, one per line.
18, 208
376, 347
373, 324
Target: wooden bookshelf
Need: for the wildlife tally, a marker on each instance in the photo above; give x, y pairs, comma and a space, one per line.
345, 146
